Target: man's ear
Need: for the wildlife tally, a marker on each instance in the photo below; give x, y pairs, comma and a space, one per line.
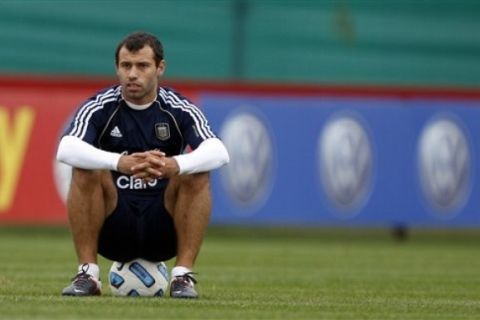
161, 68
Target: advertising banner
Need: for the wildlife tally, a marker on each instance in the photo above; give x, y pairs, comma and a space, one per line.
32, 118
298, 157
335, 160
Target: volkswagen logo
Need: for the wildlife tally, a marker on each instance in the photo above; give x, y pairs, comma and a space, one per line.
345, 162
248, 176
444, 162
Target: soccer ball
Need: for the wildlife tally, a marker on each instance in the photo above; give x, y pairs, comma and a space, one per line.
138, 277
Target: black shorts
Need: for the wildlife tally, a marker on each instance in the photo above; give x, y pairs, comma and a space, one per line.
139, 227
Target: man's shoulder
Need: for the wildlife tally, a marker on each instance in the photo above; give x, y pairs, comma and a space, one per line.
171, 97
104, 96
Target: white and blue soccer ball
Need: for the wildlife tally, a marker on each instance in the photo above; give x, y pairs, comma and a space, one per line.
138, 277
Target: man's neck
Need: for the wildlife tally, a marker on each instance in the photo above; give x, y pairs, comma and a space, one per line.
138, 106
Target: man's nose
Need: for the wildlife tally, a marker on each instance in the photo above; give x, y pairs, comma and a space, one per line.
132, 73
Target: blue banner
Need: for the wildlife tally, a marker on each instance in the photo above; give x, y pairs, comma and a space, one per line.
346, 161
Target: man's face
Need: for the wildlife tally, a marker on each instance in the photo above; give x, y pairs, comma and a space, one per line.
138, 74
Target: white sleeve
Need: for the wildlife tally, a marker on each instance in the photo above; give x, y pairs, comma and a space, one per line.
80, 154
210, 154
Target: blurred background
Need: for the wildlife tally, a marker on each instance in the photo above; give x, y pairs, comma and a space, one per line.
335, 113
374, 42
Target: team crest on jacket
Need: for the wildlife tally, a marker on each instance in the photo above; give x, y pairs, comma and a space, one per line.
162, 131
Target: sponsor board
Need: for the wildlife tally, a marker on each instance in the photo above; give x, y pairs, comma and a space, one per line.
295, 160
30, 125
346, 161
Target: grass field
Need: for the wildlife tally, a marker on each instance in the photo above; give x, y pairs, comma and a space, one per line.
264, 274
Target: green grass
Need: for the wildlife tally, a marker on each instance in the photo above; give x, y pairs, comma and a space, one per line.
263, 274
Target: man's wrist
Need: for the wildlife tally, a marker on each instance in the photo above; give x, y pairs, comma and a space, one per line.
177, 161
176, 166
115, 161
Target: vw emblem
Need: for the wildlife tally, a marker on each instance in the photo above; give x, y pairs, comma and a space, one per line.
444, 164
345, 162
248, 176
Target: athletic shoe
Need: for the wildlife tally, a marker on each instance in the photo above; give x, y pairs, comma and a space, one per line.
82, 285
184, 287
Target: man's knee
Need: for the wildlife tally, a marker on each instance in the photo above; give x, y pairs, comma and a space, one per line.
195, 182
86, 178
186, 186
190, 183
91, 180
96, 183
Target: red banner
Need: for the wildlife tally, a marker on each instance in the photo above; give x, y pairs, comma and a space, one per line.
31, 121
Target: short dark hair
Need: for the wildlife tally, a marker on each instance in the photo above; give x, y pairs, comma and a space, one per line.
137, 40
